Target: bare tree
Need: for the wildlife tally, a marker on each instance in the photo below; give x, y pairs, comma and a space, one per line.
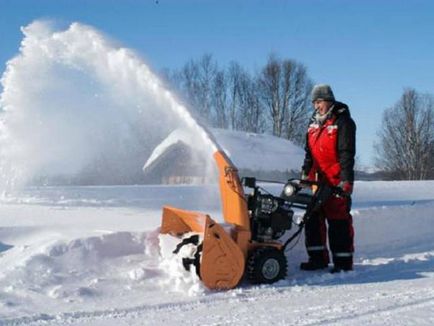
220, 100
235, 74
299, 105
195, 82
284, 88
271, 83
207, 73
246, 109
251, 117
406, 146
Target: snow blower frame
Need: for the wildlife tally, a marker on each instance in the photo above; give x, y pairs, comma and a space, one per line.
256, 221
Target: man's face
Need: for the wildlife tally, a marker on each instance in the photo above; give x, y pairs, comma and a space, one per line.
322, 106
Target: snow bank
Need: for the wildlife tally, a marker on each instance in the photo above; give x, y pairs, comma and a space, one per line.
53, 270
59, 268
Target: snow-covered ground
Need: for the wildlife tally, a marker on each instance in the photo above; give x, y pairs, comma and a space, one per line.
91, 256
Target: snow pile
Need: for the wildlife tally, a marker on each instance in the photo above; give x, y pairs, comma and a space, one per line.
178, 278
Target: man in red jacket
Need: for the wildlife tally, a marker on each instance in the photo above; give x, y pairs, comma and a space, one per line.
330, 151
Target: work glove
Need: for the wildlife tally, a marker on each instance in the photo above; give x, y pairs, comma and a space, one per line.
346, 187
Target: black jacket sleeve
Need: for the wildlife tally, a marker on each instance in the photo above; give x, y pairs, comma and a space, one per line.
346, 147
308, 161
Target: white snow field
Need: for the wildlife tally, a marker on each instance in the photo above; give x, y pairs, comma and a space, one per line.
92, 256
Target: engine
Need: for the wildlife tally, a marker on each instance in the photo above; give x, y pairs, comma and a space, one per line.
270, 216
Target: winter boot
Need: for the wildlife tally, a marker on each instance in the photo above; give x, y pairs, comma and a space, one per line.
338, 269
342, 265
313, 265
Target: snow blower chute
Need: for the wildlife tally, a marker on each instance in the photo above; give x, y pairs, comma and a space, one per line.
248, 244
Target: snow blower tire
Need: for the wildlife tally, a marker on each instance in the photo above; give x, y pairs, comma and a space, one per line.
266, 265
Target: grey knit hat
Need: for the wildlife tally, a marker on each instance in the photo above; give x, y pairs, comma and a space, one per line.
323, 92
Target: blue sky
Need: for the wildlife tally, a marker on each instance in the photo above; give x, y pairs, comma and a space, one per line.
369, 51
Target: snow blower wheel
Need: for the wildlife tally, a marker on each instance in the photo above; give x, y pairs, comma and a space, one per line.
266, 265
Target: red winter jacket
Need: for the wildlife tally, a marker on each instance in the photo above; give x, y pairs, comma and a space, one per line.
331, 147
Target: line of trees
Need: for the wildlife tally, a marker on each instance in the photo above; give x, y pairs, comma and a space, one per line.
274, 99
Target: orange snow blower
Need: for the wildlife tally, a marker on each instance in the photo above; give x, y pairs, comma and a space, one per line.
247, 244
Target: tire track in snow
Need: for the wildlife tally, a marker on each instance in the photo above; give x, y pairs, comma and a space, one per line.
372, 312
69, 317
146, 314
238, 295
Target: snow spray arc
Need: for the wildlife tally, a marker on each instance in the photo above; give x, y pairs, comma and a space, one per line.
75, 104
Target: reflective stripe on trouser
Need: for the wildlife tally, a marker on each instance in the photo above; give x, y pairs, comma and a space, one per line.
342, 254
343, 260
315, 248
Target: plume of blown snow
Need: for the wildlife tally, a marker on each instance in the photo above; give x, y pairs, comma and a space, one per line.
75, 104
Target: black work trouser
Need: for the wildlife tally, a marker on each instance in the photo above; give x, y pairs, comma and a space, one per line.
336, 211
